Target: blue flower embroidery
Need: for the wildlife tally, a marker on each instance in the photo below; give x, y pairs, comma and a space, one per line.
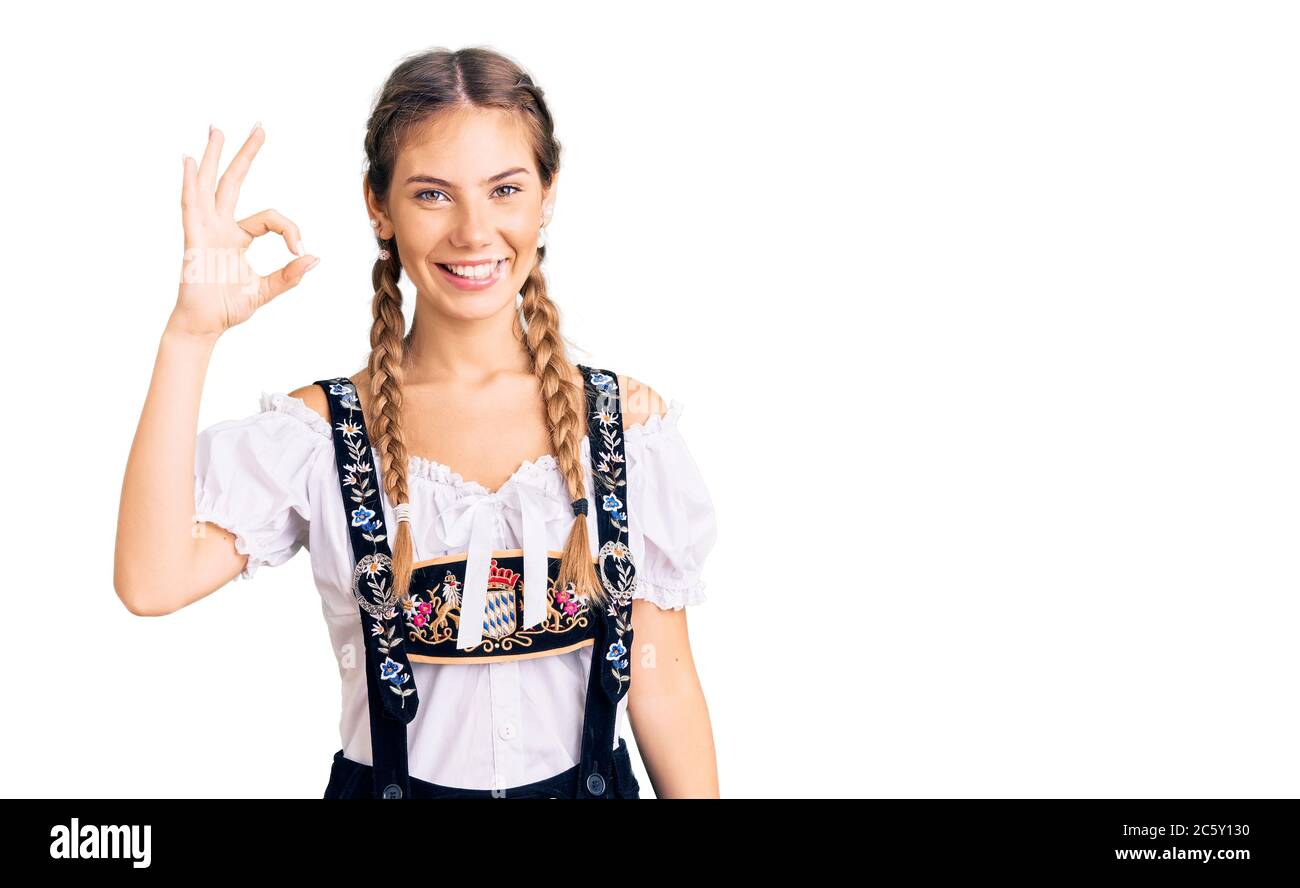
389, 672
361, 517
616, 652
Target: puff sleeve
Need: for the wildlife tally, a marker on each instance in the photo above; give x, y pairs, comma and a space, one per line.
251, 476
672, 525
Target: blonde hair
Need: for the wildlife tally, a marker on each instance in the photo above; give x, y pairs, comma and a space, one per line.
420, 87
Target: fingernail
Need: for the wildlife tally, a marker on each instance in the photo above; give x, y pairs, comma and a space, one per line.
255, 128
298, 248
312, 264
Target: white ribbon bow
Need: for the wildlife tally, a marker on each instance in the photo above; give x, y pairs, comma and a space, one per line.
469, 522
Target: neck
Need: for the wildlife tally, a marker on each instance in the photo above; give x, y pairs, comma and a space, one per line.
446, 349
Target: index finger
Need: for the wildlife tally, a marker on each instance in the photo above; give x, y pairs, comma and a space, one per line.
233, 178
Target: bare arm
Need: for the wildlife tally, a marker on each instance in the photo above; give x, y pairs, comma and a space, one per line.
163, 560
666, 705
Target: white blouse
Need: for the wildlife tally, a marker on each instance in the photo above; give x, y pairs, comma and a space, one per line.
271, 480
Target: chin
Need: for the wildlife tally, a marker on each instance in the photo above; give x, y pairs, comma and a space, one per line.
473, 306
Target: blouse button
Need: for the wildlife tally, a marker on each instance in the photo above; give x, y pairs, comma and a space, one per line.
506, 731
595, 784
392, 791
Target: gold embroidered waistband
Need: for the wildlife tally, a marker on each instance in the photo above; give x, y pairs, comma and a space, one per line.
500, 658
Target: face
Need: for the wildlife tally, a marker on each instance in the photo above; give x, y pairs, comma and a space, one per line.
465, 207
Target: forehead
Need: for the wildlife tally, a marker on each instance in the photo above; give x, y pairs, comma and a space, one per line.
465, 146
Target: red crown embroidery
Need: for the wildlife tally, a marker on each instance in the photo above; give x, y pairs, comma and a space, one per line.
501, 577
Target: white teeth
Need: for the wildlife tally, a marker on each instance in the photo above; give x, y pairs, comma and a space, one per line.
475, 272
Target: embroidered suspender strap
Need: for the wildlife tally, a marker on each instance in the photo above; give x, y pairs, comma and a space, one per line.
614, 565
389, 771
390, 686
610, 674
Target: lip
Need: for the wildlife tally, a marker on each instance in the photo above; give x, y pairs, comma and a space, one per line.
461, 283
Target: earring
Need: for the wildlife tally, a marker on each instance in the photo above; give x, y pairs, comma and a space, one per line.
541, 238
374, 223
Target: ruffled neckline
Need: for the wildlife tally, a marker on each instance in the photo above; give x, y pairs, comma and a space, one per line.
440, 473
542, 468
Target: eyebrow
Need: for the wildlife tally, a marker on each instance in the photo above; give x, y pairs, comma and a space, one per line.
434, 180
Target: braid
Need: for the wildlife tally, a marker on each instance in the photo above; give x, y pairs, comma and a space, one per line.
387, 344
566, 419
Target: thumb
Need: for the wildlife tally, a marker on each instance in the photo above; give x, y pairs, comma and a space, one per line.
290, 276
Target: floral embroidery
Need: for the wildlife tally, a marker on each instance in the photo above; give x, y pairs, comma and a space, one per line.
607, 472
604, 382
359, 471
616, 652
567, 599
370, 580
614, 504
391, 671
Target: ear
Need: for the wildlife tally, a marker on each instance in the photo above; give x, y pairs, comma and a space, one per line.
376, 212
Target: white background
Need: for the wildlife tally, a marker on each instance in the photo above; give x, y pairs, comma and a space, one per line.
983, 316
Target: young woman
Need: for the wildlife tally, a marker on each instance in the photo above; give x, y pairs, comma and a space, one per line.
511, 623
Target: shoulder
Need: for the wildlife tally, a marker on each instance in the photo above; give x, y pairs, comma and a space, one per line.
640, 401
314, 396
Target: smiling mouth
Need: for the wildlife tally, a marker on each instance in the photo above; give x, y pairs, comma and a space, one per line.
478, 272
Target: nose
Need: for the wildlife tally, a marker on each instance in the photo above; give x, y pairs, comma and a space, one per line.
473, 227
